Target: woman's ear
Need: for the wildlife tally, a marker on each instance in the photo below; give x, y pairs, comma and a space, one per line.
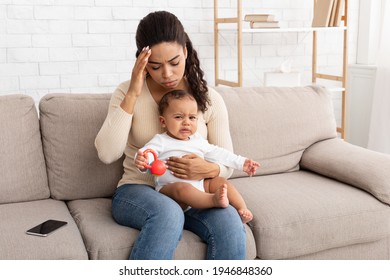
185, 51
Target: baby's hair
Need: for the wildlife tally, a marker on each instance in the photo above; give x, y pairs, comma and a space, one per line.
174, 94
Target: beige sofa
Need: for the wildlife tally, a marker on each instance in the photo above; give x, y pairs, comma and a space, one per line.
315, 196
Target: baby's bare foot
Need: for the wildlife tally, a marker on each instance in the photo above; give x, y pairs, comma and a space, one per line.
246, 215
220, 197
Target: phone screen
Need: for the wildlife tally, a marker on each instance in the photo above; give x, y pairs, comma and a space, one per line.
46, 227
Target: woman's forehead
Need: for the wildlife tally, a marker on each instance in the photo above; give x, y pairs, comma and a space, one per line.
165, 52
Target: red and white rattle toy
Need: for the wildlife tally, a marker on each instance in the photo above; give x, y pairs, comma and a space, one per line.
157, 167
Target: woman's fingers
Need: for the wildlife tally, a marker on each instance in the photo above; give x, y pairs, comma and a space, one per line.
139, 71
176, 163
142, 61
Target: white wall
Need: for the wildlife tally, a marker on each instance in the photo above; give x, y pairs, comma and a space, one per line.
361, 80
88, 45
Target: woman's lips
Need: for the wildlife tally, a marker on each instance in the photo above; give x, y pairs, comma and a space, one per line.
169, 83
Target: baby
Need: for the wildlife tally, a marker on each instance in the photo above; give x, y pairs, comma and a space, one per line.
178, 115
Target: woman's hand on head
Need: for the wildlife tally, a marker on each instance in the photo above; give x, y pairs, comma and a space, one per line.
137, 80
139, 72
192, 167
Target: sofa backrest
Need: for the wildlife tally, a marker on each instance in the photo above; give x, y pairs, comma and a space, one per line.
22, 165
274, 125
69, 125
271, 125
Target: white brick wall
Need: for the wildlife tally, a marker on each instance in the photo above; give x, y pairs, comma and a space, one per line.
88, 45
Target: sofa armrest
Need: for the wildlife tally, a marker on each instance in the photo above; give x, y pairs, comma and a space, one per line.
356, 166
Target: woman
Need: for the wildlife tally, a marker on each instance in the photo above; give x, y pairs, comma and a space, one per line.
166, 61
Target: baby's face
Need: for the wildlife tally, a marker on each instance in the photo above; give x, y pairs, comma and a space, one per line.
181, 118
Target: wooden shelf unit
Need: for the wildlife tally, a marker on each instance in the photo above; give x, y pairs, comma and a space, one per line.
239, 30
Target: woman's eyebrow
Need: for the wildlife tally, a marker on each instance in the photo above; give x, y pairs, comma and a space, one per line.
154, 62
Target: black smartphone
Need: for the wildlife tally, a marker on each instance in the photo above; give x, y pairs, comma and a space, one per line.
45, 228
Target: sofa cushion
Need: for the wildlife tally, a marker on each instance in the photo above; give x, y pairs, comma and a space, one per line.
16, 218
375, 250
114, 242
300, 213
274, 125
22, 165
69, 125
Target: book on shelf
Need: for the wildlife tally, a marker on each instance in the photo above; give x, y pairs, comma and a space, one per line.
333, 13
339, 12
259, 17
322, 13
327, 13
264, 24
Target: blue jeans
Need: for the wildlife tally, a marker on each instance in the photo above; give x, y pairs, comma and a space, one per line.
161, 222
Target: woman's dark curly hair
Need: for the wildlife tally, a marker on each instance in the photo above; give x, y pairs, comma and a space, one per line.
161, 26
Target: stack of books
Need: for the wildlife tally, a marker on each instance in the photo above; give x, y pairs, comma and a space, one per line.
328, 13
262, 21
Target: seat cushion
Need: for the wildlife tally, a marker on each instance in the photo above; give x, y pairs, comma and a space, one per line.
375, 250
300, 213
15, 244
22, 164
69, 124
105, 239
274, 125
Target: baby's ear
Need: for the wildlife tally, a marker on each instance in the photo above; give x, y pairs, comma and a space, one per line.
162, 121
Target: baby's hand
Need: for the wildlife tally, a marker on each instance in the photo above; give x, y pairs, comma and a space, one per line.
250, 166
140, 161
